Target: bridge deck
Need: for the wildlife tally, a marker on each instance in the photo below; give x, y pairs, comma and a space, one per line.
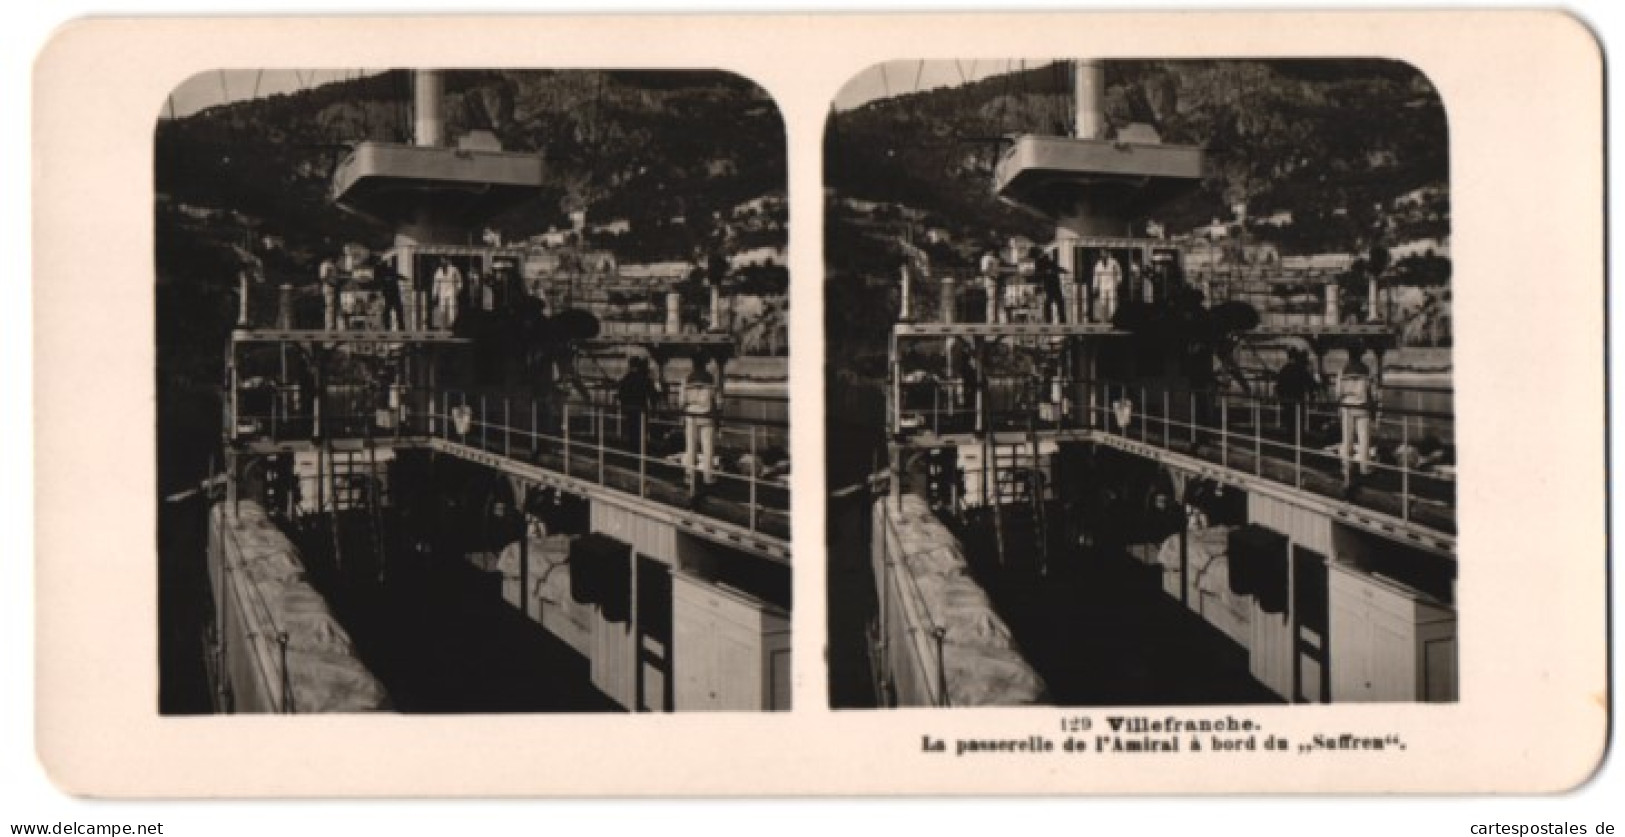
661, 494
1242, 444
748, 513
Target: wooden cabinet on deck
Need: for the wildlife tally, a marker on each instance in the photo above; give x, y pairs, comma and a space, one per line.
1388, 642
729, 651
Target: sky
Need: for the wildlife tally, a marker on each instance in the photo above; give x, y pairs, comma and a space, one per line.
208, 89
894, 78
891, 78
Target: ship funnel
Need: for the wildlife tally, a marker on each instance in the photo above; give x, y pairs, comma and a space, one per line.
429, 128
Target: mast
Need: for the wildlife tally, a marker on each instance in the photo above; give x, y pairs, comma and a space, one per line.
429, 126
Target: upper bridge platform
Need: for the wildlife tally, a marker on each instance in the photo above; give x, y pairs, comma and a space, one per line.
344, 336
1048, 173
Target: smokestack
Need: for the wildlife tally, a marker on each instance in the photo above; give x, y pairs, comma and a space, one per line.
1089, 99
429, 129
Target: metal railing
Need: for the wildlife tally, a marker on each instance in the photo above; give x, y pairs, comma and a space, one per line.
772, 413
1281, 297
1408, 472
1009, 402
749, 477
287, 413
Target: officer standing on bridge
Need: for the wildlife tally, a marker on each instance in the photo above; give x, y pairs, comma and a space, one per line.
700, 400
1356, 402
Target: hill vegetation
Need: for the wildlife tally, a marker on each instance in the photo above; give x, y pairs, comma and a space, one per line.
668, 152
1330, 142
1328, 156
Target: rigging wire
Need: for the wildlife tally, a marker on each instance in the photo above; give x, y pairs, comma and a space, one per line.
1004, 100
597, 113
403, 88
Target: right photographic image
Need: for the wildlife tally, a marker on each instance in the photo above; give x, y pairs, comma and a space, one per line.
1139, 384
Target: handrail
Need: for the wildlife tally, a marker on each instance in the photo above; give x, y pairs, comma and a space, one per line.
1286, 456
591, 443
1253, 434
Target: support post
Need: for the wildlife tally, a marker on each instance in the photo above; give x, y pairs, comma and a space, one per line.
635, 626
1184, 551
1190, 417
1405, 470
1165, 418
284, 307
1300, 415
755, 474
1258, 440
1142, 407
524, 551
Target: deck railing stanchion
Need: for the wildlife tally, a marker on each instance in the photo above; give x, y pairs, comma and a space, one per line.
484, 425
507, 427
600, 447
755, 474
1258, 440
535, 443
643, 455
1142, 405
1405, 470
1165, 417
1224, 430
1299, 417
1190, 417
940, 634
566, 438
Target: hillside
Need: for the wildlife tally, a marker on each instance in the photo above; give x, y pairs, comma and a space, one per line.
1326, 141
642, 146
1329, 156
662, 151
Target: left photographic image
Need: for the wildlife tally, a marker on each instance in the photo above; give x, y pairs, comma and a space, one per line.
472, 392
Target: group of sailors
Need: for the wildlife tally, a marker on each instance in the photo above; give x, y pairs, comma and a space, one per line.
438, 299
1094, 300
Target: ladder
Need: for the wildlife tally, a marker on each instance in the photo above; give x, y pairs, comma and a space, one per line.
1036, 490
375, 510
1017, 477
334, 483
